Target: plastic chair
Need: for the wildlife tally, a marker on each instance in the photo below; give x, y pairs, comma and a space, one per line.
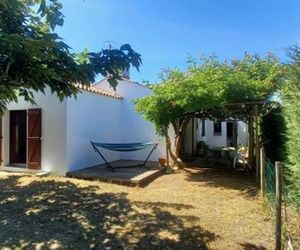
241, 154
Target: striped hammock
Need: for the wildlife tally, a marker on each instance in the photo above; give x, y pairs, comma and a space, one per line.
124, 147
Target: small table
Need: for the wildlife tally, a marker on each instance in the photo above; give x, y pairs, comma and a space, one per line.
226, 150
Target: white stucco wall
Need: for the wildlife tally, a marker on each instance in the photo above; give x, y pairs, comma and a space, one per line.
215, 140
68, 127
221, 140
91, 117
133, 127
189, 136
53, 130
242, 134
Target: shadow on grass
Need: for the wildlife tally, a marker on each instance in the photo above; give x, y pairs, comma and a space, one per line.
249, 246
50, 213
224, 178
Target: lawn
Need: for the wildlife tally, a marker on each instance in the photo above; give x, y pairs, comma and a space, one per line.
191, 209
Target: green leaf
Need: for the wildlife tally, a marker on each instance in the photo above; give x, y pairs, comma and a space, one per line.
42, 7
33, 57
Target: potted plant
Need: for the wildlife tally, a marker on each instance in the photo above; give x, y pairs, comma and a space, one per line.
162, 161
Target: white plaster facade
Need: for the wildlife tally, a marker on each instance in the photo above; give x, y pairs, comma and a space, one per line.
193, 135
53, 143
69, 126
133, 126
91, 117
220, 140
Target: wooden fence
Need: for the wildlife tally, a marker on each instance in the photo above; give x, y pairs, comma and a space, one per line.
271, 187
271, 192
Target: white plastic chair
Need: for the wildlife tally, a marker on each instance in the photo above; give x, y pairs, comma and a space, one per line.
240, 155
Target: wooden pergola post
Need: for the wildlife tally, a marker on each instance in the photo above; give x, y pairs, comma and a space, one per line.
257, 153
193, 136
250, 141
262, 173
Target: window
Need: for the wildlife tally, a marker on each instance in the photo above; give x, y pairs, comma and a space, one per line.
203, 128
217, 128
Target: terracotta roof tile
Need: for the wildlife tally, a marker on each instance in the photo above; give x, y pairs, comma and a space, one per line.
123, 79
97, 90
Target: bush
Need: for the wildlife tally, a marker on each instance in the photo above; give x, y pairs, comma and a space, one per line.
273, 135
291, 111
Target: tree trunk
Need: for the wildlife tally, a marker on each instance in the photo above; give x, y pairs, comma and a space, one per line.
179, 136
175, 160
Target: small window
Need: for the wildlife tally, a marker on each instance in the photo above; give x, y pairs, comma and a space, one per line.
203, 128
217, 128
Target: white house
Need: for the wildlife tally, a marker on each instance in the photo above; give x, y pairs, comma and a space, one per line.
229, 133
223, 134
55, 136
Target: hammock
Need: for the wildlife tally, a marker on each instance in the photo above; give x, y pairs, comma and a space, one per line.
124, 147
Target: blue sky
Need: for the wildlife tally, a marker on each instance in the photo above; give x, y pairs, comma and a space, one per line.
165, 32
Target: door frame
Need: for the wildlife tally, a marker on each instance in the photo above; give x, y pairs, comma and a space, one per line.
234, 132
10, 136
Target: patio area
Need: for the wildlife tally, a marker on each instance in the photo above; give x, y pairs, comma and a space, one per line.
126, 173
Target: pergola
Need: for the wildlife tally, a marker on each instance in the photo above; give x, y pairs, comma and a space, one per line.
250, 113
253, 109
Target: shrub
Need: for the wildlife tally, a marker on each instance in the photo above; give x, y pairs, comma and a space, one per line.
273, 134
291, 111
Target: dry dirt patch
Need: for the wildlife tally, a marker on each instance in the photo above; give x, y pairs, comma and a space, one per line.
192, 209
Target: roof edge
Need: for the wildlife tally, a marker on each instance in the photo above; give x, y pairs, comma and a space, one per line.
123, 79
98, 91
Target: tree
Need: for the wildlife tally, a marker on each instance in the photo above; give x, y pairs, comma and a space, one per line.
33, 56
291, 102
205, 90
273, 133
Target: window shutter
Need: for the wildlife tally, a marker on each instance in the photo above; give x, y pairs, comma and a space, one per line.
34, 133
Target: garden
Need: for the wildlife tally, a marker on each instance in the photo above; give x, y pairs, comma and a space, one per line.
190, 209
187, 208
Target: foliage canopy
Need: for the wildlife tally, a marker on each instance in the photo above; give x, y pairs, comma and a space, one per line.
206, 89
33, 56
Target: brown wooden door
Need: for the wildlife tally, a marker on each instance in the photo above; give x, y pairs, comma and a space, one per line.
34, 138
17, 137
1, 137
